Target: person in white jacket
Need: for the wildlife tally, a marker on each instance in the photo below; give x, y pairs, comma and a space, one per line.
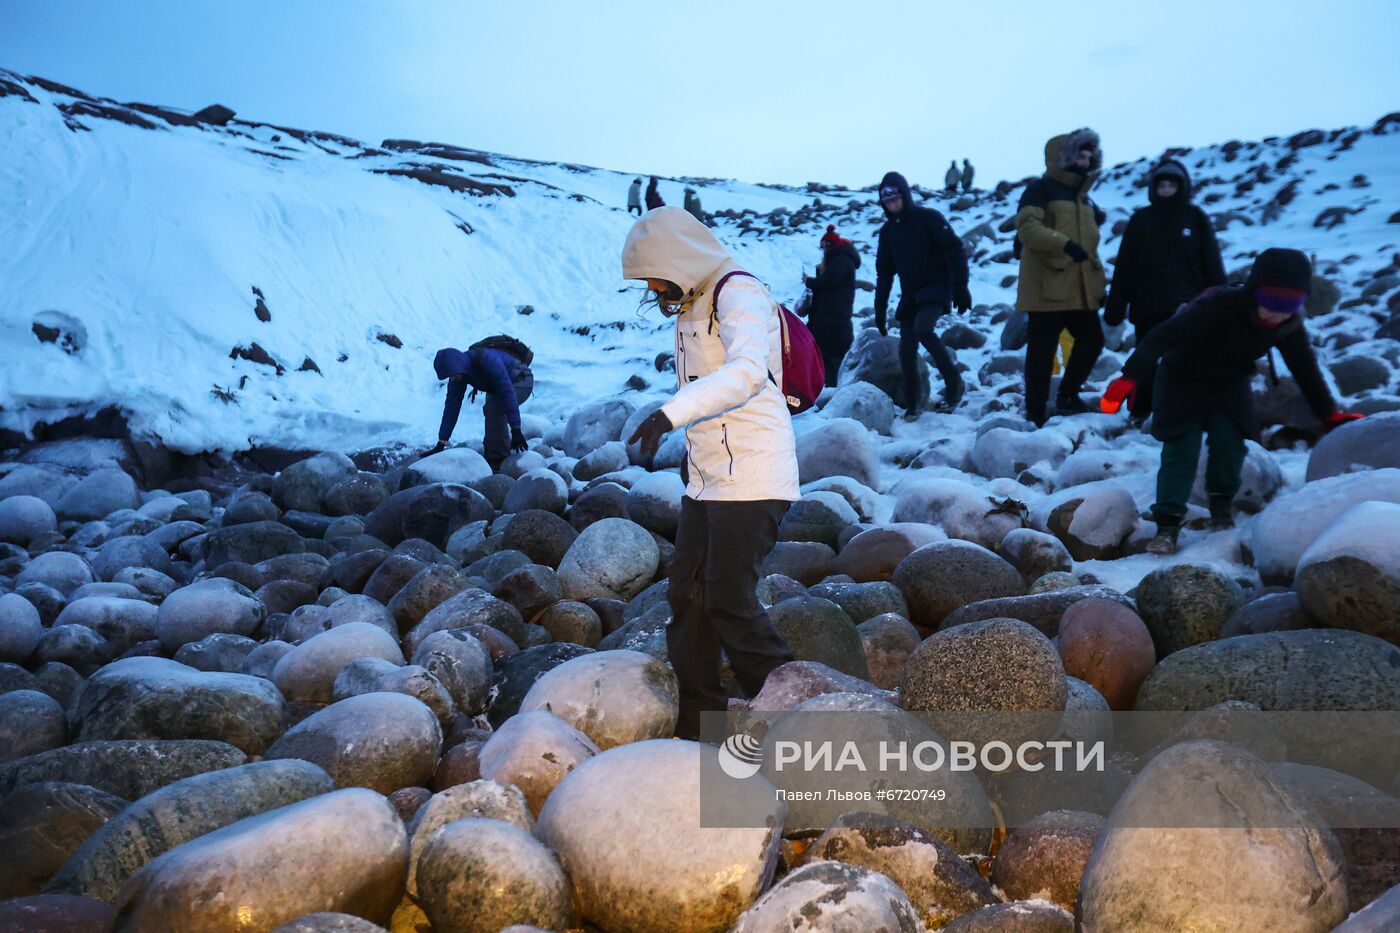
741, 462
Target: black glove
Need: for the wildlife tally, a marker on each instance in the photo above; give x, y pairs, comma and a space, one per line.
517, 439
962, 299
649, 433
807, 280
1076, 252
880, 322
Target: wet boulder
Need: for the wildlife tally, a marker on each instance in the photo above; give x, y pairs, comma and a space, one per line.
611, 558
383, 741
128, 768
1186, 604
534, 750
43, 825
30, 722
613, 697
307, 673
304, 484
938, 578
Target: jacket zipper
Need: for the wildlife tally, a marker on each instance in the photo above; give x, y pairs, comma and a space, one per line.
724, 434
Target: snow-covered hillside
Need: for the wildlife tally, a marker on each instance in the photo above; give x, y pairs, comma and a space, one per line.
149, 238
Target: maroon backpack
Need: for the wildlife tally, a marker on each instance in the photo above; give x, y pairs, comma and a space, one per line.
804, 373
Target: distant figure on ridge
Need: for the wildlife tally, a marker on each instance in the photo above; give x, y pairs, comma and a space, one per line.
653, 195
500, 367
692, 205
952, 177
1168, 256
1062, 281
634, 197
740, 465
967, 175
1207, 354
833, 296
917, 244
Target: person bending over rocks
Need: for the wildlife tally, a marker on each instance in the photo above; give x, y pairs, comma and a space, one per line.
500, 367
740, 464
1207, 353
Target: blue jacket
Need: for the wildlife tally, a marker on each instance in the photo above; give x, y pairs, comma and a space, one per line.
491, 371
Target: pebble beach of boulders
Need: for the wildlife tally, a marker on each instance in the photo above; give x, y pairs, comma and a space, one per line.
414, 695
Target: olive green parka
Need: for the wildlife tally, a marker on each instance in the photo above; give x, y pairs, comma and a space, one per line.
1055, 209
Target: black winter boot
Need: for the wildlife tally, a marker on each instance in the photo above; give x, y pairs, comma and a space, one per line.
1165, 542
1071, 405
952, 396
1221, 514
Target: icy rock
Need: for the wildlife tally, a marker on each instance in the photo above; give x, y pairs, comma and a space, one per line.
24, 518
98, 495
1270, 612
155, 698
462, 664
1093, 520
205, 607
862, 402
1186, 604
1278, 537
611, 558
1092, 465
538, 489
570, 621
304, 484
1372, 443
1008, 453
480, 874
1262, 869
460, 465
831, 896
873, 554
1349, 577
817, 516
862, 601
250, 507
382, 741
128, 768
542, 536
44, 824
1037, 916
962, 510
609, 458
938, 882
1046, 857
277, 866
217, 653
938, 578
179, 812
874, 359
75, 645
307, 673
360, 608
534, 750
592, 426
428, 589
41, 481
250, 543
63, 571
1001, 665
620, 850
839, 447
262, 660
1107, 645
30, 722
1356, 373
818, 630
467, 608
20, 628
1035, 553
375, 675
654, 502
476, 799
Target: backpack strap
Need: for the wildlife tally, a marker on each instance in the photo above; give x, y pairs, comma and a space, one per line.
714, 313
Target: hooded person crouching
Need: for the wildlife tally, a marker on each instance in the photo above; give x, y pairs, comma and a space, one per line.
740, 463
1205, 358
506, 380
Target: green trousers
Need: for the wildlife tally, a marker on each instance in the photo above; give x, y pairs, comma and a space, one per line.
1180, 456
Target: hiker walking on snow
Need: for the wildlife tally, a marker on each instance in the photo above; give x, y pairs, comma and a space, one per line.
967, 175
917, 244
653, 195
692, 205
634, 197
1207, 353
740, 464
1168, 256
504, 375
952, 177
833, 297
1062, 281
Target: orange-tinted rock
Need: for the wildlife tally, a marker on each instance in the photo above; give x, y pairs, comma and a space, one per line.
1106, 644
1045, 857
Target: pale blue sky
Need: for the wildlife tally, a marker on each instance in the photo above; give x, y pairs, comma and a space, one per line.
762, 91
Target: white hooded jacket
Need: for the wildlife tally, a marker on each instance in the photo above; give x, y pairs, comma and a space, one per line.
729, 363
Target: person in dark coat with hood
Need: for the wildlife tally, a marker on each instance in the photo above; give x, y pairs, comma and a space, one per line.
692, 205
1204, 358
1168, 256
918, 245
654, 195
967, 173
833, 296
507, 381
951, 178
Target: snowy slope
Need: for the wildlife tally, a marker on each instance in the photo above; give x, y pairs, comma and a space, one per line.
148, 242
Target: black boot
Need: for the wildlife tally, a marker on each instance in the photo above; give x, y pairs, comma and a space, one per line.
1165, 542
1071, 405
1221, 514
952, 396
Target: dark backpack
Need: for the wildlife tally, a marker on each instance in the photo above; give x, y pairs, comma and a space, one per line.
512, 345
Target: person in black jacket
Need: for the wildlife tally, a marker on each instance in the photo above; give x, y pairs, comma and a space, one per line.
918, 245
1168, 256
833, 295
654, 199
1207, 355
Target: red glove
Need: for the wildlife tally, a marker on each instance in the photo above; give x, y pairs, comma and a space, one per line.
1119, 391
1338, 418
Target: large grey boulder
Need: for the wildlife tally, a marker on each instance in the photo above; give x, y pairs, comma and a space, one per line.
307, 673
1369, 444
613, 697
20, 628
832, 896
205, 607
840, 447
128, 768
1186, 604
1349, 577
98, 495
250, 543
938, 578
383, 741
862, 402
613, 558
30, 722
123, 623
61, 570
24, 518
304, 484
592, 426
463, 610
1278, 537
